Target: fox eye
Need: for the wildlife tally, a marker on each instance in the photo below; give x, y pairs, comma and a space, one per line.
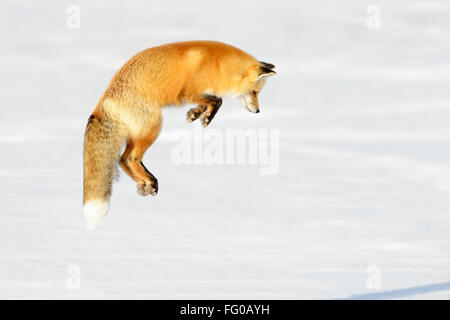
254, 92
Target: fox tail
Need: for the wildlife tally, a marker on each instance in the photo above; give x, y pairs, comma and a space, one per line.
102, 144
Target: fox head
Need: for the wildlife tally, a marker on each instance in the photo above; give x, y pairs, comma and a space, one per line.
254, 82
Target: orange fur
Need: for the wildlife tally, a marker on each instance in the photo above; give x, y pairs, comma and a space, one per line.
195, 72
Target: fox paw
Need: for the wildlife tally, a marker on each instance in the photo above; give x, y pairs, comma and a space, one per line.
148, 187
195, 113
206, 118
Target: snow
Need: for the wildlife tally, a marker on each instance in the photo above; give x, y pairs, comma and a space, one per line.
363, 181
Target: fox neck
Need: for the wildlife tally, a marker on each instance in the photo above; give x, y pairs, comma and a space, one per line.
224, 94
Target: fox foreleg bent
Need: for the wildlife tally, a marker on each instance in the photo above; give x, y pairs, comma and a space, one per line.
195, 113
207, 109
211, 110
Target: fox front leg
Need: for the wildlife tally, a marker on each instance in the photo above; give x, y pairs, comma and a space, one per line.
209, 105
195, 113
211, 110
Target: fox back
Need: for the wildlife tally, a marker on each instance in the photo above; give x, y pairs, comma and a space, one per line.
172, 74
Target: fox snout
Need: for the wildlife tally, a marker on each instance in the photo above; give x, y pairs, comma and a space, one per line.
250, 101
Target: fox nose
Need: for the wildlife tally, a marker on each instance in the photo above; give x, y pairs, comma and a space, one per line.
257, 111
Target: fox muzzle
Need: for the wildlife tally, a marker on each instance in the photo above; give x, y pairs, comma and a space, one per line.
250, 103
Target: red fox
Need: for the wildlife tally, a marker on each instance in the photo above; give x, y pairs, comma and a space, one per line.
129, 111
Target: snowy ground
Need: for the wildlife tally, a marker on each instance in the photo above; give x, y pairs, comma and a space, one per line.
360, 206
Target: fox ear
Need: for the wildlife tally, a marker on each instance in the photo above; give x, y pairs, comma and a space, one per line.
267, 65
265, 72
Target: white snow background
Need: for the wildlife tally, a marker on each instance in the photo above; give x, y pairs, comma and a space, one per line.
363, 181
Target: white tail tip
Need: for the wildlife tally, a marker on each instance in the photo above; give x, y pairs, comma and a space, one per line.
95, 212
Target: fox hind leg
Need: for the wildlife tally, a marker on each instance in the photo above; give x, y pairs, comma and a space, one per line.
124, 160
131, 163
147, 183
148, 187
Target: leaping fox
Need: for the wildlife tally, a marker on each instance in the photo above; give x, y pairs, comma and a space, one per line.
195, 72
